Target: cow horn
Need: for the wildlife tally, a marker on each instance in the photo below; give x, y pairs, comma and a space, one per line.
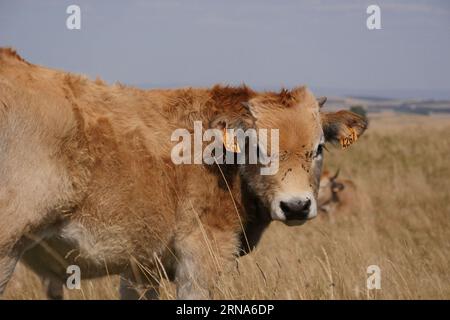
336, 174
321, 101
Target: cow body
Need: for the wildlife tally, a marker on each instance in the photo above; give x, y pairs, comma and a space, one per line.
87, 176
92, 174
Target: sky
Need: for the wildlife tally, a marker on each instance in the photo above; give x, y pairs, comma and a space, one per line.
265, 44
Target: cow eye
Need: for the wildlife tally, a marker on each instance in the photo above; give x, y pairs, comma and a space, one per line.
319, 151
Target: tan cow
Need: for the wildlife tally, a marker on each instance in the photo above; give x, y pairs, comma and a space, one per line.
86, 168
336, 194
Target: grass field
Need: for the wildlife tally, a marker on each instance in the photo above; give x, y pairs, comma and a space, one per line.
401, 224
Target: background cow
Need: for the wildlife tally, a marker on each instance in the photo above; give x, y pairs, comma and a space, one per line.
336, 194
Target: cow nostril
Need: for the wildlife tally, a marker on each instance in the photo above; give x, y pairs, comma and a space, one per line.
307, 204
285, 206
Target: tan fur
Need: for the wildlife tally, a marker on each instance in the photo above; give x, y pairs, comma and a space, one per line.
87, 168
336, 194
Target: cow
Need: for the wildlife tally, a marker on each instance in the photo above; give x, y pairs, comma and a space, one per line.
336, 194
88, 177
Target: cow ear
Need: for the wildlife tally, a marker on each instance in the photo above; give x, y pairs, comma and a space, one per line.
344, 127
227, 127
241, 117
250, 109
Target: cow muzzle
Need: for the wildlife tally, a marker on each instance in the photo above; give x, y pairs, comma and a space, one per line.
294, 210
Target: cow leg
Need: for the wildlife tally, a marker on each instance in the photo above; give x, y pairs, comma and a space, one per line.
35, 186
37, 260
54, 288
131, 289
7, 266
202, 256
42, 259
15, 238
10, 251
10, 255
127, 290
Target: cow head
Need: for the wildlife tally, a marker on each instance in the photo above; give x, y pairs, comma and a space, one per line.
329, 188
290, 193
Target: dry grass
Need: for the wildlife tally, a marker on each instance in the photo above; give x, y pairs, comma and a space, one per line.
402, 224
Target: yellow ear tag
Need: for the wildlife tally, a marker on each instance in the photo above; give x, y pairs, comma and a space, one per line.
350, 139
229, 142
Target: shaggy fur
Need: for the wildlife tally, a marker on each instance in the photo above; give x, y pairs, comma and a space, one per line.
87, 178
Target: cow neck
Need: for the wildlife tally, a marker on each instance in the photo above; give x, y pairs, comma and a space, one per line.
257, 219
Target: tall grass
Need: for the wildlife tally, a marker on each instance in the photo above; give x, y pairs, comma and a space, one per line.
401, 223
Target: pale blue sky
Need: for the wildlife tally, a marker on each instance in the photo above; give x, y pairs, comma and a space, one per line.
265, 44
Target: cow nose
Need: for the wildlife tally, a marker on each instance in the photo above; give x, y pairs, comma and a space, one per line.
296, 209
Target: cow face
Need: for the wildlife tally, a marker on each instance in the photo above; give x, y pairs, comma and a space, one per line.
328, 190
290, 194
